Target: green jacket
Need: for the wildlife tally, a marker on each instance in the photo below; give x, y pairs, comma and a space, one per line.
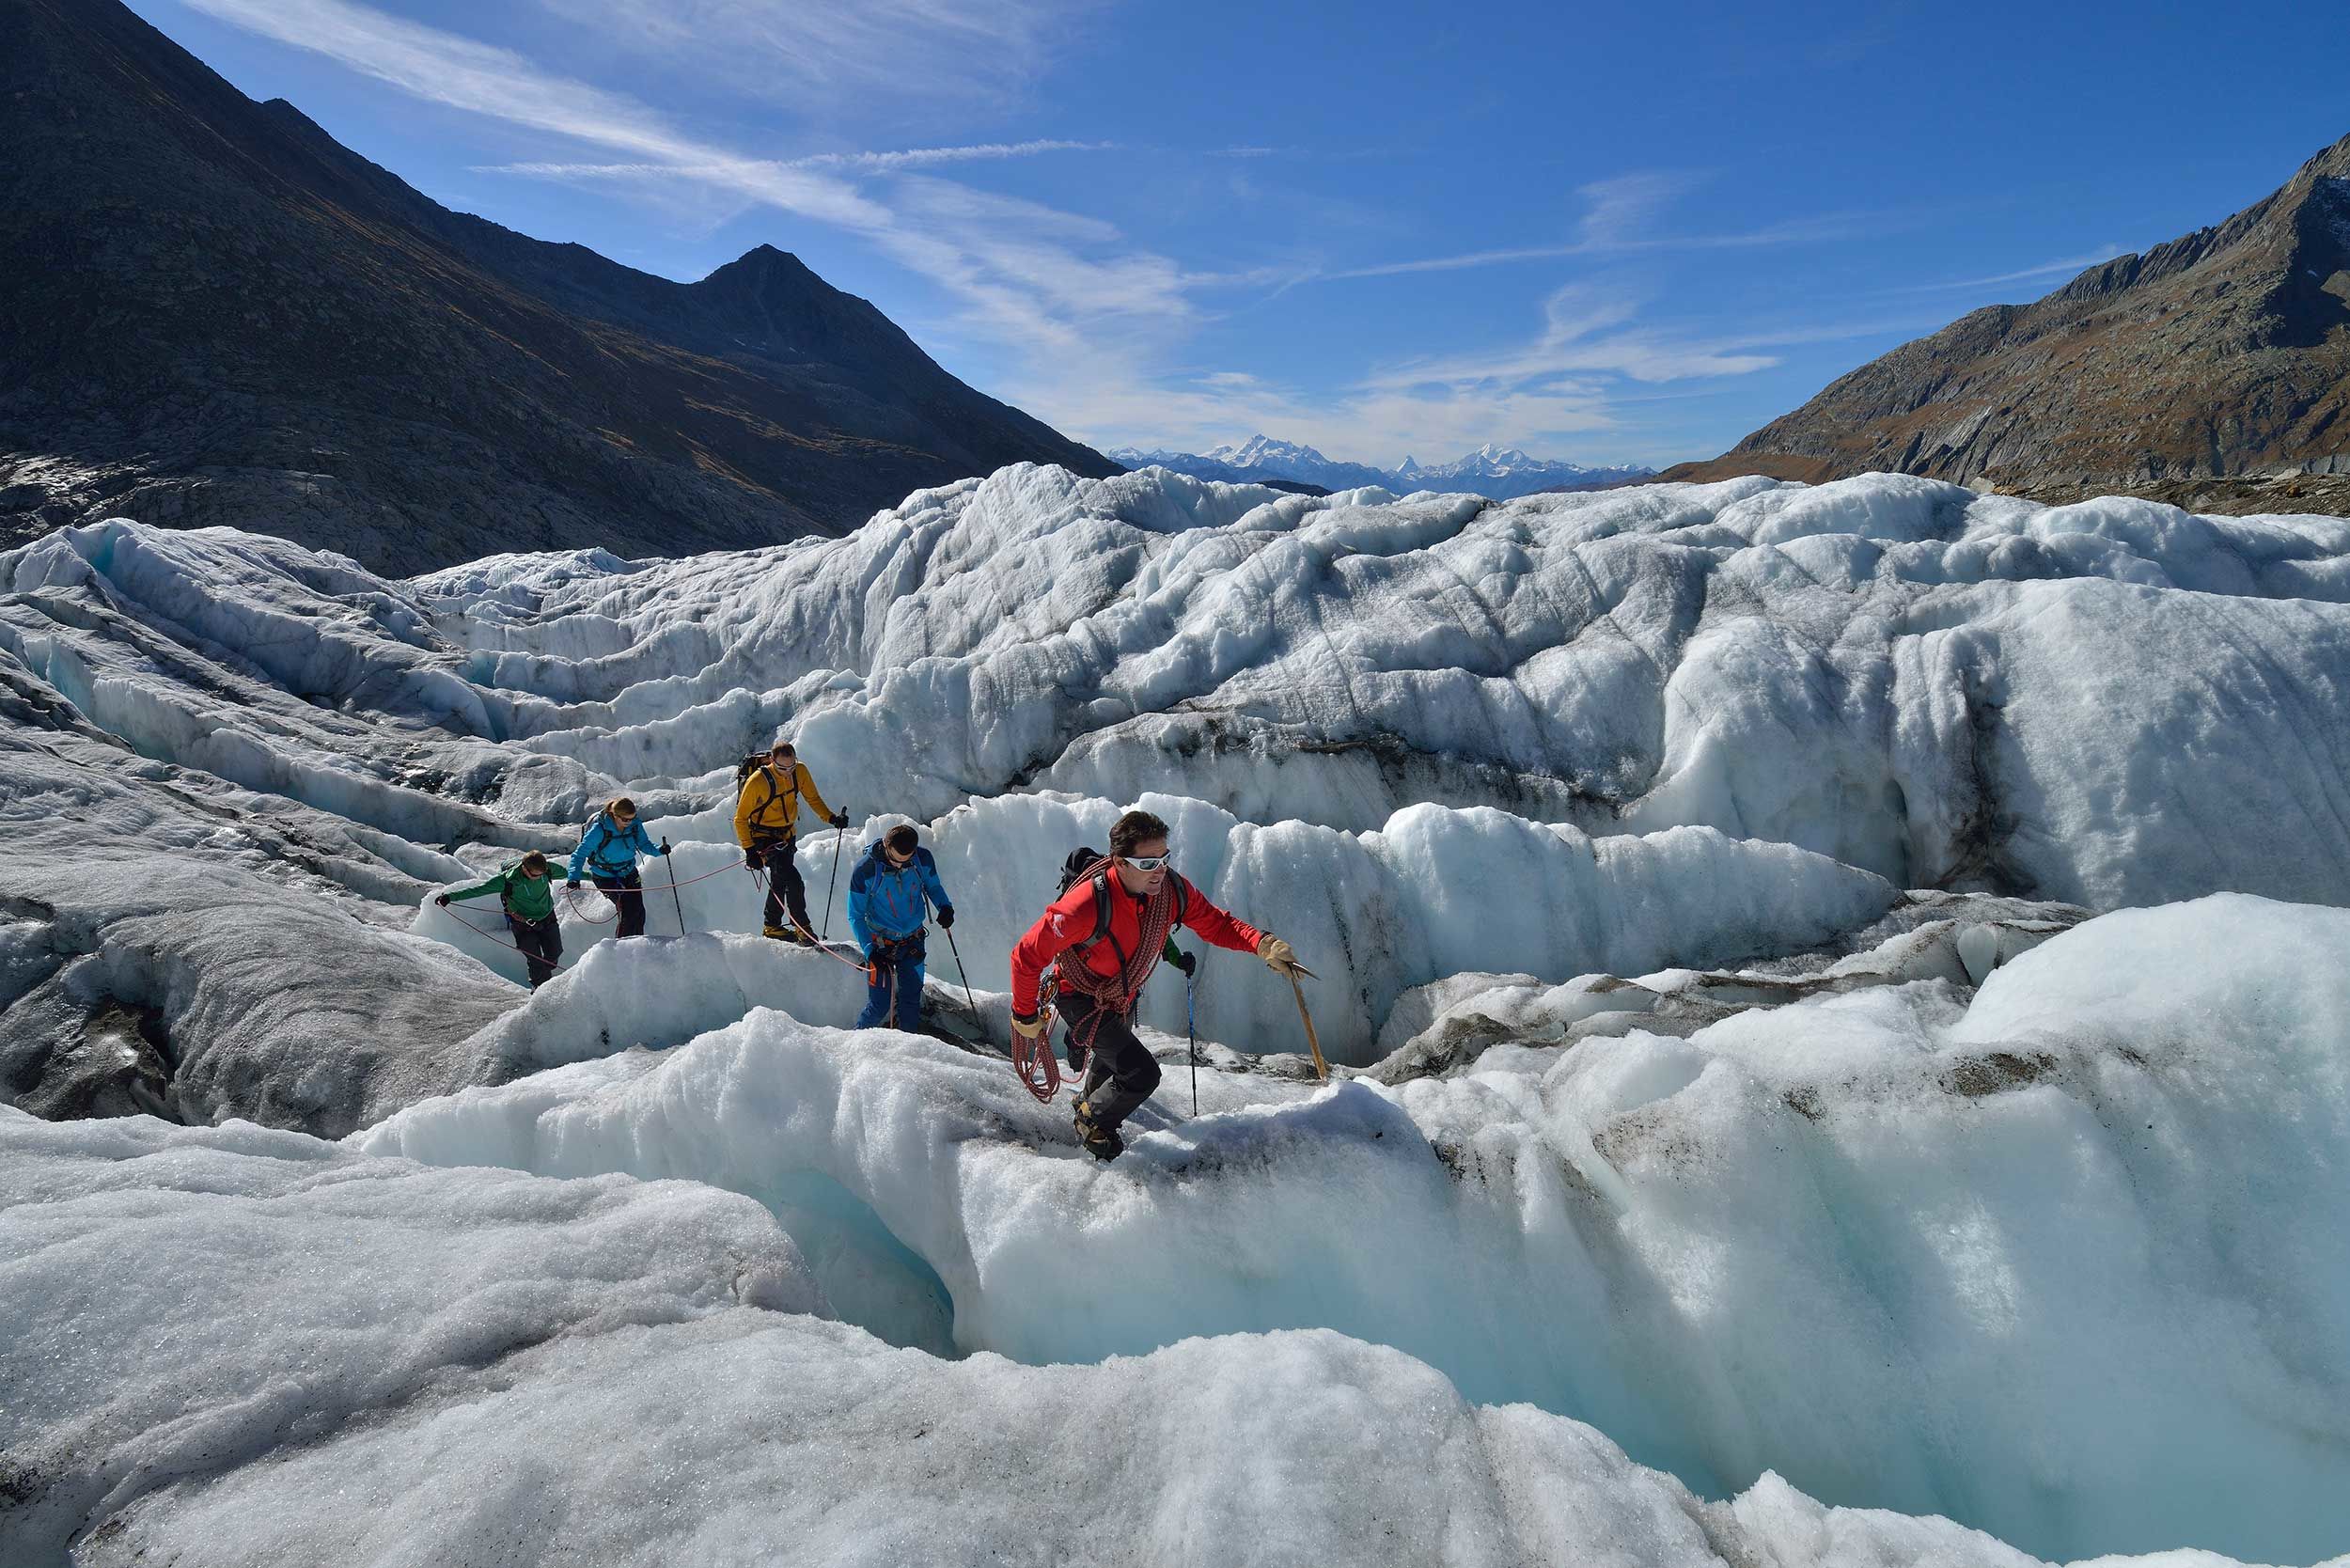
529, 898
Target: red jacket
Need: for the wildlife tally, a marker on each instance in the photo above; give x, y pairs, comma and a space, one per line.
1069, 920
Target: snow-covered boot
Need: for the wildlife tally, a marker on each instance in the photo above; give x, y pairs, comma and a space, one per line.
1103, 1143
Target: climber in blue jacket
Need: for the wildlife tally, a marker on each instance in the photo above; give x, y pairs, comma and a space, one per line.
891, 893
607, 852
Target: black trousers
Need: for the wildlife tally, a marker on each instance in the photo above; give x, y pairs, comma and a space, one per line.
779, 855
1122, 1073
541, 942
624, 892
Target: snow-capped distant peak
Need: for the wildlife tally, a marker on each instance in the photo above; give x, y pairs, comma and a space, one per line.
1493, 469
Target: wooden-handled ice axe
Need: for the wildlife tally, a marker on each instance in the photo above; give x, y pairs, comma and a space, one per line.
1313, 1042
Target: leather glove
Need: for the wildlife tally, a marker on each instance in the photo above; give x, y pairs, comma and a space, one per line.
1280, 958
1188, 963
442, 900
1029, 1027
947, 918
839, 818
750, 859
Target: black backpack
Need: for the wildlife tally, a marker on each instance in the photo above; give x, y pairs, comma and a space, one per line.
750, 766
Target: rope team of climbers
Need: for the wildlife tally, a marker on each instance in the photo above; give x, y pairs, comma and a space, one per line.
1085, 959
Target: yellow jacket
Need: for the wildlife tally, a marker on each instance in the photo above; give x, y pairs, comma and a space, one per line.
769, 807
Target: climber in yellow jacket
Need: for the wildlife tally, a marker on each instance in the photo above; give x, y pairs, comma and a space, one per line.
767, 825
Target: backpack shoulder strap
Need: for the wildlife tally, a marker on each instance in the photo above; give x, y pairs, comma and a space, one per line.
1102, 920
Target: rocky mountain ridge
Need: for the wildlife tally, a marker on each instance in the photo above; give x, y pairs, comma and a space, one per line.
2211, 371
210, 312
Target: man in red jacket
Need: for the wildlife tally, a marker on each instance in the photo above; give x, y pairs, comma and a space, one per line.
1100, 977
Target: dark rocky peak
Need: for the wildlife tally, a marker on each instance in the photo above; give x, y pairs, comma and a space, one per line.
215, 313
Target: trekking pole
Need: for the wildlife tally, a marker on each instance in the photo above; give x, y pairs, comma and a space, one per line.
1322, 1069
838, 833
1191, 1028
967, 999
675, 897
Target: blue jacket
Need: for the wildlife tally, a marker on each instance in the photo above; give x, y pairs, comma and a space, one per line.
887, 901
605, 851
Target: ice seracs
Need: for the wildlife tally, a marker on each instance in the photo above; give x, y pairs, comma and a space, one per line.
1828, 983
1900, 1244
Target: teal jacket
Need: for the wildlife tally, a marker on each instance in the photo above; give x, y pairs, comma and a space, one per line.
605, 851
528, 897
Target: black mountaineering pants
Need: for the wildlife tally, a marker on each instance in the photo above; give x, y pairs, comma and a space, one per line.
541, 942
1122, 1073
626, 896
784, 883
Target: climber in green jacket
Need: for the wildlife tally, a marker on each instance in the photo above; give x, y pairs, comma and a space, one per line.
526, 892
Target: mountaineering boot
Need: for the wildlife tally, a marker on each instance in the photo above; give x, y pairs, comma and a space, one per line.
1103, 1143
780, 933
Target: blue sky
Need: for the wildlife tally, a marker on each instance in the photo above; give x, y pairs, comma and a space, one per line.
1610, 233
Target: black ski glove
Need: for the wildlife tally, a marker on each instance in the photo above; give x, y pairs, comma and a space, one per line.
442, 900
571, 885
839, 818
750, 859
947, 918
1188, 963
665, 849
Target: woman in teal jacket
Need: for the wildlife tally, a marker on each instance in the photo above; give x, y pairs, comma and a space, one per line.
891, 894
607, 852
526, 893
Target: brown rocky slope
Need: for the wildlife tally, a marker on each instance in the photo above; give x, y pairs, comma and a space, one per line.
2213, 371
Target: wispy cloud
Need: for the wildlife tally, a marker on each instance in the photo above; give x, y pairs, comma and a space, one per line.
1617, 213
2046, 268
898, 56
481, 79
1586, 328
925, 157
1622, 209
862, 163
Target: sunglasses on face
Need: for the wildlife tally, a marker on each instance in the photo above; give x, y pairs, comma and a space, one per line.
1147, 862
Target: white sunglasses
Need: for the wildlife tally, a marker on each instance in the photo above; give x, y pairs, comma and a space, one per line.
1146, 862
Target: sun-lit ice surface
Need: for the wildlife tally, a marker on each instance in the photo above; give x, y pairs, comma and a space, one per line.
1700, 878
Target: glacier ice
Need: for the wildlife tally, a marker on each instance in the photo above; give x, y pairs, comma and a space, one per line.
376, 1360
1991, 1260
1702, 877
